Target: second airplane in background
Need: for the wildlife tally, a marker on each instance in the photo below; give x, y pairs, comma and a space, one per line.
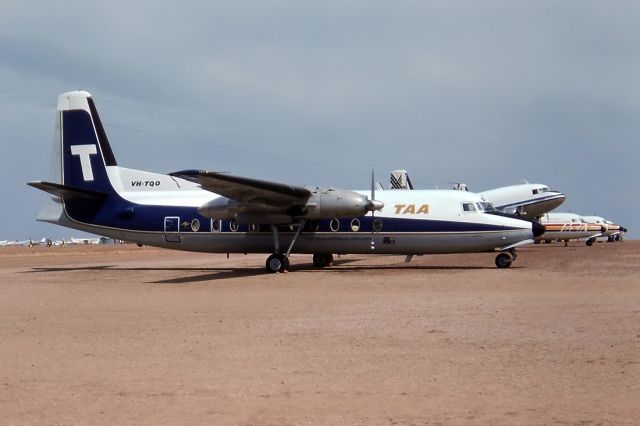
528, 200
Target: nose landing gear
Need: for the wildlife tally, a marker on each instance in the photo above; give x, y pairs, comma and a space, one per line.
506, 258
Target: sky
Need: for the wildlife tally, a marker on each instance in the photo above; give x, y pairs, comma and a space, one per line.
489, 93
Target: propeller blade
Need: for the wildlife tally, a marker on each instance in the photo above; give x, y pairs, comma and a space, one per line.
373, 204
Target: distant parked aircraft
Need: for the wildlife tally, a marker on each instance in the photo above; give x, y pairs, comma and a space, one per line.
530, 200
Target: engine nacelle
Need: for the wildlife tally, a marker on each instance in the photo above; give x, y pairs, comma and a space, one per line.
323, 204
219, 208
330, 203
249, 213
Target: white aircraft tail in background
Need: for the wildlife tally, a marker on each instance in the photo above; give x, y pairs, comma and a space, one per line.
400, 180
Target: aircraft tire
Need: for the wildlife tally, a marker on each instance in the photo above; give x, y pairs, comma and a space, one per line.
322, 260
504, 260
277, 263
590, 241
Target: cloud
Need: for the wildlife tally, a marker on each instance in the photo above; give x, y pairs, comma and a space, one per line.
485, 92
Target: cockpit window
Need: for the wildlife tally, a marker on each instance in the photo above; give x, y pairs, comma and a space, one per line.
540, 190
487, 207
468, 207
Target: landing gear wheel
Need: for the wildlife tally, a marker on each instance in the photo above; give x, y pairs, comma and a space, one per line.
277, 263
504, 260
322, 260
590, 241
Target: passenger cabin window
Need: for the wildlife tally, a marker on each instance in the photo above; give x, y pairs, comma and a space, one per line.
468, 207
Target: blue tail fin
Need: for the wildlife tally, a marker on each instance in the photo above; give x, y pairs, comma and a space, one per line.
85, 150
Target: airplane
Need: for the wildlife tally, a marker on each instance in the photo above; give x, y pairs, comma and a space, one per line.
530, 200
85, 240
30, 242
612, 231
216, 212
568, 226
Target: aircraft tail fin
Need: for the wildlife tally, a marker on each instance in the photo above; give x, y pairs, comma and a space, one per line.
85, 151
400, 180
79, 180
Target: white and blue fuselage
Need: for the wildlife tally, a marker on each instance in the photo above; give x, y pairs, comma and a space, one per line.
92, 193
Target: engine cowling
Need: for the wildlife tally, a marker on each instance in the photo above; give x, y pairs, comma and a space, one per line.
323, 204
330, 203
219, 208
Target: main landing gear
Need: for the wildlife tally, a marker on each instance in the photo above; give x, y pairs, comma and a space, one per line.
506, 258
279, 262
322, 260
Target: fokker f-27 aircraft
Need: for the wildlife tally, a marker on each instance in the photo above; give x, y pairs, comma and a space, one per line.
222, 213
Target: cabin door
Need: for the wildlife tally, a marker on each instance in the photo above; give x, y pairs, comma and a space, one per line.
172, 229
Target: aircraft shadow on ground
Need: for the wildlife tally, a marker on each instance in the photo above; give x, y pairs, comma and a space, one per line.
216, 274
211, 274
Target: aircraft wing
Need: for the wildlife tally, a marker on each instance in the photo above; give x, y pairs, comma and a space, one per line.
246, 190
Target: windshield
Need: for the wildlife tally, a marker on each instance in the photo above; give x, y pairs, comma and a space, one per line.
468, 207
486, 207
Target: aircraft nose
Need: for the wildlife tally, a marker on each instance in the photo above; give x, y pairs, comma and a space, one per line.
537, 229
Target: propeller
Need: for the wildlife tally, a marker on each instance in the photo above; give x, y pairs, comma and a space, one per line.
373, 205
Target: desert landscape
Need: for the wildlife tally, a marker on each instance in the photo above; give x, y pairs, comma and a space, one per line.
117, 334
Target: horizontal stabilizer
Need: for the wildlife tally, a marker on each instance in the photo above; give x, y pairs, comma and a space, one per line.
67, 192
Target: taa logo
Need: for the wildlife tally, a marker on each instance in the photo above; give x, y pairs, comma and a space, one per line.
85, 152
412, 209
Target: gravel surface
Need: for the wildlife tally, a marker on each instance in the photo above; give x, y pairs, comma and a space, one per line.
128, 335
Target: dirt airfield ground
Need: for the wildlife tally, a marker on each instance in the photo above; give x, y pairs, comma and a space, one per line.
128, 335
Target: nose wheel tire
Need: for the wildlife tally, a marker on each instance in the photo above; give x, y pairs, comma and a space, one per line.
322, 260
504, 260
277, 263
